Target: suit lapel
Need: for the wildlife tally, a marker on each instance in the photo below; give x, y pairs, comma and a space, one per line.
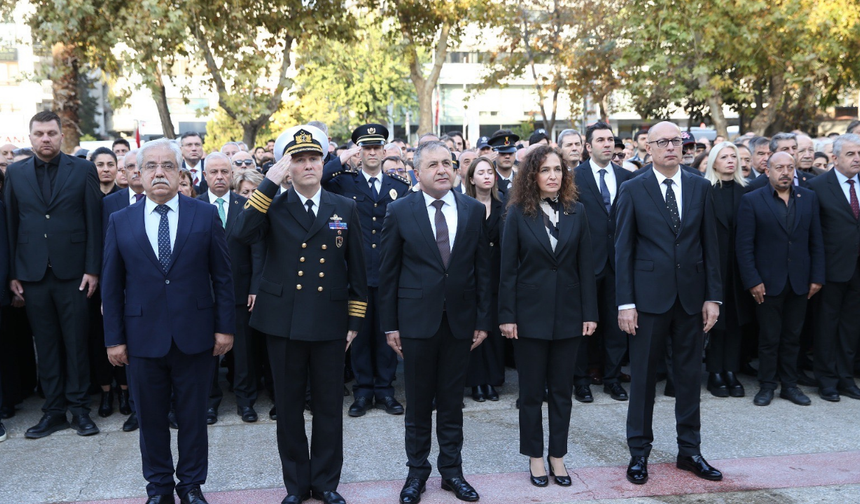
187, 211
718, 206
653, 190
235, 208
771, 202
798, 201
565, 228
64, 168
422, 219
30, 175
136, 214
539, 230
838, 195
298, 211
463, 213
687, 188
325, 211
588, 175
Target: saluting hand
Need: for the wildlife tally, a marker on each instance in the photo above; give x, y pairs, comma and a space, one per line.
478, 338
350, 335
394, 342
223, 344
588, 328
118, 355
508, 330
348, 153
279, 170
628, 320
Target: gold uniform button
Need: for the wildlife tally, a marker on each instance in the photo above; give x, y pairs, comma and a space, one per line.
322, 275
304, 245
301, 273
324, 247
373, 246
322, 261
301, 259
319, 289
299, 287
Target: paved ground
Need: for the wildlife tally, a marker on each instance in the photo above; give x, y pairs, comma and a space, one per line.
779, 454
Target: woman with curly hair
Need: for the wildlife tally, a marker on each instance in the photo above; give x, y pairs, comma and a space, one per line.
547, 301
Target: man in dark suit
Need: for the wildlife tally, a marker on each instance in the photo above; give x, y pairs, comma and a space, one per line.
435, 309
54, 218
191, 144
311, 303
504, 144
838, 336
781, 260
668, 283
373, 361
599, 181
784, 142
168, 308
246, 264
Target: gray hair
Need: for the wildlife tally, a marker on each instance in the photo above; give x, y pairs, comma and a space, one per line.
566, 133
393, 146
234, 144
161, 143
841, 140
757, 141
427, 146
821, 143
711, 173
217, 155
242, 146
320, 125
252, 176
779, 137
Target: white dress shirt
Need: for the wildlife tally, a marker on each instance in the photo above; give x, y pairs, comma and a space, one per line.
213, 199
609, 178
151, 220
315, 198
378, 182
846, 187
676, 187
449, 210
131, 199
196, 171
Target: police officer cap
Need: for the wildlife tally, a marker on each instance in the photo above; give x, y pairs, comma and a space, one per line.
537, 136
504, 143
483, 142
301, 138
370, 134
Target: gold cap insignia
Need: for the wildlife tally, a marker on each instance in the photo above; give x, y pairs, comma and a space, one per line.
303, 137
507, 141
371, 130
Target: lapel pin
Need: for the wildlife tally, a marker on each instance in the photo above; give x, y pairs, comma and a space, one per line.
393, 194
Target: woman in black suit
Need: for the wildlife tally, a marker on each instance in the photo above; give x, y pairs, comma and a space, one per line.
487, 362
547, 300
723, 354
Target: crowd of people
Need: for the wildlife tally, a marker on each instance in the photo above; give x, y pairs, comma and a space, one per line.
136, 274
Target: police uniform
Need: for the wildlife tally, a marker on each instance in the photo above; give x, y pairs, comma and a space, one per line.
503, 144
313, 289
373, 361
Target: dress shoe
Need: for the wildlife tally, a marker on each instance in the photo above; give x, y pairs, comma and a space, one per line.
669, 391
124, 403
211, 416
763, 397
582, 393
538, 481
478, 394
390, 405
461, 489
160, 499
637, 470
491, 393
106, 404
559, 479
171, 419
360, 406
853, 391
194, 496
716, 385
733, 384
83, 425
794, 395
616, 391
624, 377
412, 490
329, 497
828, 394
697, 465
247, 413
131, 424
48, 425
805, 380
273, 413
2, 432
295, 499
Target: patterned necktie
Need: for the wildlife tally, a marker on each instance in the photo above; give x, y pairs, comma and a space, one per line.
164, 250
855, 206
604, 190
373, 190
194, 174
221, 214
672, 205
442, 240
138, 197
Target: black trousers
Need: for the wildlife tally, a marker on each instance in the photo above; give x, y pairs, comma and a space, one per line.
58, 314
545, 362
244, 365
435, 367
102, 371
608, 343
18, 356
647, 348
373, 361
780, 319
293, 362
838, 336
724, 345
151, 382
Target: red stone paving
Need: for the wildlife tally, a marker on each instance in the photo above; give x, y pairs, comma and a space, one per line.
589, 483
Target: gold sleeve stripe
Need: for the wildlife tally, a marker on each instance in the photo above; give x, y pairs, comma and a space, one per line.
357, 315
258, 207
260, 202
358, 303
262, 196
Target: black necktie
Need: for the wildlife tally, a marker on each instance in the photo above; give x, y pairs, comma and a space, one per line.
373, 190
672, 205
311, 214
604, 190
442, 233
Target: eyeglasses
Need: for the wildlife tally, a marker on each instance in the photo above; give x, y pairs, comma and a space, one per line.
618, 155
392, 171
164, 166
246, 162
664, 142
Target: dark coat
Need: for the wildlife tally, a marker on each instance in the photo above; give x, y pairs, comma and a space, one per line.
839, 228
733, 292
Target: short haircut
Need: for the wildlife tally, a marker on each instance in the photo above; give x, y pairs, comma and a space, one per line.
639, 133
217, 155
567, 133
121, 141
229, 143
46, 116
23, 151
396, 159
820, 144
821, 155
841, 140
599, 125
189, 134
853, 124
271, 140
392, 146
100, 151
758, 141
781, 137
161, 143
252, 176
425, 147
319, 125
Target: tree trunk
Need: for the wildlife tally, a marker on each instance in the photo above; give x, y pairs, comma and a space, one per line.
249, 133
766, 116
160, 96
715, 104
65, 93
424, 85
603, 106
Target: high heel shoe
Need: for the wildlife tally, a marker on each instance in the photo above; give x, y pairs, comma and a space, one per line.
106, 404
124, 406
538, 481
559, 480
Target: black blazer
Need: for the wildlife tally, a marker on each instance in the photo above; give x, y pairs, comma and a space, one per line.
770, 253
841, 231
65, 232
246, 261
742, 301
313, 285
762, 180
600, 223
416, 286
653, 266
112, 203
548, 294
493, 226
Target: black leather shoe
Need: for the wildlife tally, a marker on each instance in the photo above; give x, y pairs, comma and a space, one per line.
2, 432
295, 499
106, 404
582, 393
124, 404
828, 394
194, 496
794, 395
171, 419
491, 393
412, 490
559, 479
616, 391
697, 465
247, 413
329, 497
273, 413
853, 391
390, 405
461, 489
131, 424
478, 394
805, 380
733, 384
84, 425
538, 481
360, 406
48, 425
716, 385
637, 470
160, 499
763, 397
211, 416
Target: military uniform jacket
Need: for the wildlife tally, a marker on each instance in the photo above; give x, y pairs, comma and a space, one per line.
353, 185
314, 285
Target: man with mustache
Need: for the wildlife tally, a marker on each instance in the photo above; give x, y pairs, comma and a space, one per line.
780, 253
